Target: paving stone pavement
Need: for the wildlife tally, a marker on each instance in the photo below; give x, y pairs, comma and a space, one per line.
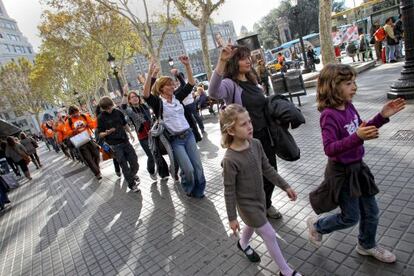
65, 222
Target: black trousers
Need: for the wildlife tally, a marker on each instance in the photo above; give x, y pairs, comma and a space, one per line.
90, 154
264, 137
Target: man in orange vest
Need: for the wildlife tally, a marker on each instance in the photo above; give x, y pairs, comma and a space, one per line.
61, 134
49, 133
77, 124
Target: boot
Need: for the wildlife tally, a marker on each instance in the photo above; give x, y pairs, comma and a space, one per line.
27, 174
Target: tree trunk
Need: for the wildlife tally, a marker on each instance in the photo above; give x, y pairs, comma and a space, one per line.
204, 46
325, 30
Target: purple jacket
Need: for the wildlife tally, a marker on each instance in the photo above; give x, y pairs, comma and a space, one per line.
224, 88
340, 140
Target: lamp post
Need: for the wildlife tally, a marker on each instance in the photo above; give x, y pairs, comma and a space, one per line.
111, 61
404, 86
170, 61
296, 13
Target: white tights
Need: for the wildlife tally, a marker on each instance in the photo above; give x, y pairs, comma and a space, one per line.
268, 235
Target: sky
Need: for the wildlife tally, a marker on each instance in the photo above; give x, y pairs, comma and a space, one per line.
27, 13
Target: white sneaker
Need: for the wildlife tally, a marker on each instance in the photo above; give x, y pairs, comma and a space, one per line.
378, 252
137, 180
153, 176
314, 237
272, 212
135, 188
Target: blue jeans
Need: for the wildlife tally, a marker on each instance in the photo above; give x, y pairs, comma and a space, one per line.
353, 209
188, 157
192, 107
150, 157
391, 52
128, 160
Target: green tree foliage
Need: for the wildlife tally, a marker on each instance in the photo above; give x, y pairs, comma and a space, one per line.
199, 13
77, 34
19, 88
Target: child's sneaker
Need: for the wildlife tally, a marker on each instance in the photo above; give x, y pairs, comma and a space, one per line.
314, 237
378, 252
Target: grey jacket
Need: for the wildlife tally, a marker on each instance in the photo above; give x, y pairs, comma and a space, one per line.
28, 144
16, 153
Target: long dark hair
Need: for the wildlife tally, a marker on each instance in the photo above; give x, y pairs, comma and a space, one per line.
231, 70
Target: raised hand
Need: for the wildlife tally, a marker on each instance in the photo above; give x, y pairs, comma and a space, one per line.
392, 107
227, 52
174, 72
367, 132
184, 60
141, 78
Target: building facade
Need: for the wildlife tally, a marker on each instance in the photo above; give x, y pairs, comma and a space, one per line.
14, 45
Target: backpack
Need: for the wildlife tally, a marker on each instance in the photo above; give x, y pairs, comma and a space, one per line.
380, 34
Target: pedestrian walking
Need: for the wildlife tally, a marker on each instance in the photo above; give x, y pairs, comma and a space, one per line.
243, 161
83, 123
31, 145
167, 105
348, 181
140, 116
12, 164
311, 58
19, 155
233, 81
113, 128
390, 40
263, 76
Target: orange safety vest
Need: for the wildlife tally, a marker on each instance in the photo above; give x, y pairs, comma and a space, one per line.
76, 125
48, 130
62, 131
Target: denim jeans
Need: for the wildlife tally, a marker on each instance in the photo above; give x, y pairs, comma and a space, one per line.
193, 109
128, 160
353, 209
391, 52
150, 157
188, 157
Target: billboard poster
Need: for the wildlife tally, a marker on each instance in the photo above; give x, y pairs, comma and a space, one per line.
345, 34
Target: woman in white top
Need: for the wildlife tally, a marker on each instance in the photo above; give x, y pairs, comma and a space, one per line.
169, 107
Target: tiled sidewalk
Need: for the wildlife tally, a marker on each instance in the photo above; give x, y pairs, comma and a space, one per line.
64, 222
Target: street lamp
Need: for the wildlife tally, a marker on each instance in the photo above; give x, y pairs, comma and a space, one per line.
111, 61
296, 12
170, 61
404, 87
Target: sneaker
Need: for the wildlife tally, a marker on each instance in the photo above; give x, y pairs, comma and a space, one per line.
135, 188
137, 180
314, 237
153, 176
273, 213
378, 253
98, 176
250, 253
118, 174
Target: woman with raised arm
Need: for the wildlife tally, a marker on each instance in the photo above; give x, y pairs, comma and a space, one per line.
234, 81
168, 106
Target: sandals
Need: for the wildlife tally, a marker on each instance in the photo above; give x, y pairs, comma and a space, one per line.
253, 257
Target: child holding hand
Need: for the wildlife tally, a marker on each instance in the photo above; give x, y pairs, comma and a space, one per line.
243, 165
348, 182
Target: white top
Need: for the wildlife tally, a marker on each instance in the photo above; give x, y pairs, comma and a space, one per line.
173, 116
189, 99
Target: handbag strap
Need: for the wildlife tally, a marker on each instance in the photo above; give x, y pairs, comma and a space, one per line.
234, 92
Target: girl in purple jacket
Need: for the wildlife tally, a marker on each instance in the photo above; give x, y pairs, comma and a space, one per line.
346, 175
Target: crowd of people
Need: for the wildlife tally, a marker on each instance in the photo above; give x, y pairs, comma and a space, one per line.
164, 116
